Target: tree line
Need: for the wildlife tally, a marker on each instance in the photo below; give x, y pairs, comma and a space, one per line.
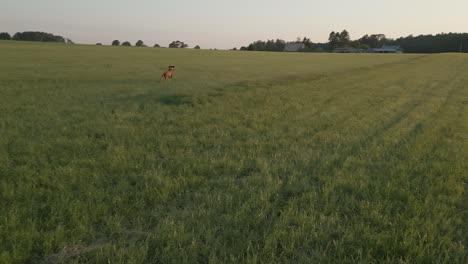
444, 42
34, 36
177, 44
48, 37
139, 43
278, 45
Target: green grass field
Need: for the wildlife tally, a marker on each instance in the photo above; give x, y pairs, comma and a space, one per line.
244, 158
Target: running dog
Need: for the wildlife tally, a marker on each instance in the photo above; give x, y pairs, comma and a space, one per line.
169, 73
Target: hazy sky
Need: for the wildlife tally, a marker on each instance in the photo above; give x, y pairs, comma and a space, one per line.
227, 24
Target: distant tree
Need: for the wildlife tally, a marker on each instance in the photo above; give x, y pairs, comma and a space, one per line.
116, 43
338, 40
127, 44
178, 45
374, 40
197, 47
344, 38
363, 46
333, 40
174, 44
309, 46
358, 45
156, 46
17, 36
139, 43
269, 45
279, 45
98, 44
234, 48
37, 36
69, 41
5, 36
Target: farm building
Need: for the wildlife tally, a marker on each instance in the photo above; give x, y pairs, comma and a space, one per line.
294, 47
387, 49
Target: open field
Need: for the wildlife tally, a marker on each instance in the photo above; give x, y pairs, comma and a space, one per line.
244, 158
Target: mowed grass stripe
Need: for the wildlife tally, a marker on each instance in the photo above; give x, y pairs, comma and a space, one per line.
279, 104
405, 149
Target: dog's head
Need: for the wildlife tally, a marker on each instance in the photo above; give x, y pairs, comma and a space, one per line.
171, 67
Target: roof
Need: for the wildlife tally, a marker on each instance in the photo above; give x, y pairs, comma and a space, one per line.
293, 46
387, 49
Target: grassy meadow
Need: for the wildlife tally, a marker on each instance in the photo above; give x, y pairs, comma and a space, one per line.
246, 157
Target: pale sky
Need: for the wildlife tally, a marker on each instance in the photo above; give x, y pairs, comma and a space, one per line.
226, 24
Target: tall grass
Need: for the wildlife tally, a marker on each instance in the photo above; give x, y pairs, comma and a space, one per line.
244, 158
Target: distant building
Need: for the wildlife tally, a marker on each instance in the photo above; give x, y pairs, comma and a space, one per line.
387, 49
348, 50
294, 47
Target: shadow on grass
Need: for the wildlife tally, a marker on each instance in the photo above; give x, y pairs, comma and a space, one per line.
153, 99
175, 100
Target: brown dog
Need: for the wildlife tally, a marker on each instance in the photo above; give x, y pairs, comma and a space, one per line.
168, 74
